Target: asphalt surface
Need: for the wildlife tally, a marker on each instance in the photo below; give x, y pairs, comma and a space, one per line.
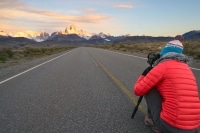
86, 90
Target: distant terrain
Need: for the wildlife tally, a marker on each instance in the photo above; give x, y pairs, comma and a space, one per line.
16, 48
72, 36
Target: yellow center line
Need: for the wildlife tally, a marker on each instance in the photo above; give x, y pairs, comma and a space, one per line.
122, 87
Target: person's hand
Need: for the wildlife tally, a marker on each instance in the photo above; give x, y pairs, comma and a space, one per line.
146, 70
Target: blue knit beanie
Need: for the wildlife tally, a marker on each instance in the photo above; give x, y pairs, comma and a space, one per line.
172, 46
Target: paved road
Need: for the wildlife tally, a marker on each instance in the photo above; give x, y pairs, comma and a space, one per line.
86, 90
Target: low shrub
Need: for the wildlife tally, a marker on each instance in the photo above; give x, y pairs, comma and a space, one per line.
29, 52
5, 54
191, 48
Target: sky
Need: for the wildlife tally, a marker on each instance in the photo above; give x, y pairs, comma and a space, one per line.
116, 17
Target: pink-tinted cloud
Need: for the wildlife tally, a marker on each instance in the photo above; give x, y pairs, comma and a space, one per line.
15, 12
12, 4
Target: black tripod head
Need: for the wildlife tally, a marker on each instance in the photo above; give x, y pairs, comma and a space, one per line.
152, 57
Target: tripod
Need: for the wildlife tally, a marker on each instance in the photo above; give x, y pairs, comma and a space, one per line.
152, 57
136, 107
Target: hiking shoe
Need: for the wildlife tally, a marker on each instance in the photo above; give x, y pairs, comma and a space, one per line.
150, 123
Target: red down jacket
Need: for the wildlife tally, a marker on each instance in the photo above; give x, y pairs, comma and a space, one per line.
177, 85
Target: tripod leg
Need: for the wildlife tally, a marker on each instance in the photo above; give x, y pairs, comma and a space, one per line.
136, 107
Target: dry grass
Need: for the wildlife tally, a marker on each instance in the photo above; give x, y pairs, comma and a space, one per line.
9, 54
191, 48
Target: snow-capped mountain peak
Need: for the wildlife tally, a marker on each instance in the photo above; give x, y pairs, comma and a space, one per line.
42, 36
37, 36
72, 30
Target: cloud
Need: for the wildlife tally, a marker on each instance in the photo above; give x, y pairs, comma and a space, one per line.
12, 4
18, 12
87, 16
123, 6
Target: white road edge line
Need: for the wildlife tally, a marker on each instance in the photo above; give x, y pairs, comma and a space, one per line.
126, 54
32, 68
144, 58
195, 68
95, 62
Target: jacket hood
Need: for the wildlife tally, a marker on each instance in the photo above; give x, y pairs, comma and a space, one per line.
173, 56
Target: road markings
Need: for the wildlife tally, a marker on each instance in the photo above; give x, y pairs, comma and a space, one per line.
142, 58
126, 54
32, 68
122, 87
95, 62
195, 68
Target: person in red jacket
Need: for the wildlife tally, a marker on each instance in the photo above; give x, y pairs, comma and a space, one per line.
171, 92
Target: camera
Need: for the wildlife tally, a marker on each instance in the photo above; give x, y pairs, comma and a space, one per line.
152, 57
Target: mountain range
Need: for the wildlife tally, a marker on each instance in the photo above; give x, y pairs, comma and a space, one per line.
192, 35
73, 36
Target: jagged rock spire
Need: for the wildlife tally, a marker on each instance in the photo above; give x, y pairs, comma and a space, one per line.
71, 29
